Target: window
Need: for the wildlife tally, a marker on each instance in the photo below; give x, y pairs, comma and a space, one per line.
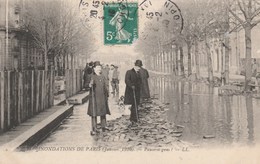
15, 45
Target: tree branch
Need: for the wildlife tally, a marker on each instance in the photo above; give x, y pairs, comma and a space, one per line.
256, 13
242, 10
255, 23
236, 16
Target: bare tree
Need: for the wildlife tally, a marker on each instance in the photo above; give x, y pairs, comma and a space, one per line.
211, 18
246, 12
56, 28
190, 35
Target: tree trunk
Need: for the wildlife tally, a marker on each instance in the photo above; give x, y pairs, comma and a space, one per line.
222, 65
55, 65
157, 62
238, 53
210, 69
176, 61
197, 60
45, 57
163, 63
64, 64
248, 65
68, 63
227, 52
189, 59
181, 61
173, 62
72, 61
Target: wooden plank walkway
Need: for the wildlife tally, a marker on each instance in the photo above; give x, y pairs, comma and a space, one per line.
35, 129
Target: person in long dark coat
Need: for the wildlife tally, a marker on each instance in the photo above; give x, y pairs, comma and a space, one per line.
87, 75
133, 84
105, 72
145, 91
99, 95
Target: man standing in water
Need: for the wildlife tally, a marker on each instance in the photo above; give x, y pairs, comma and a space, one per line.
132, 91
98, 99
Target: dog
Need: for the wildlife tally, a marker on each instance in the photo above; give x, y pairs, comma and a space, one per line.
120, 103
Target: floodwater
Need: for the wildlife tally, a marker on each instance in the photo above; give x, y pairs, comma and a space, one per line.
209, 120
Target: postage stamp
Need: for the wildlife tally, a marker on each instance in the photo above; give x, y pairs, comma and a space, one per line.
120, 23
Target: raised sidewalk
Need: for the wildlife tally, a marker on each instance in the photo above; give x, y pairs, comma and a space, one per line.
34, 130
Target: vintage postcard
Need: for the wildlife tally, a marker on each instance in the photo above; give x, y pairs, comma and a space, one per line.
129, 81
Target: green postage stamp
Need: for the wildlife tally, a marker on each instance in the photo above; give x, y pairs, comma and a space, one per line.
120, 23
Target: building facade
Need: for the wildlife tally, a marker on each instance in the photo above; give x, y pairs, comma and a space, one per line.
17, 50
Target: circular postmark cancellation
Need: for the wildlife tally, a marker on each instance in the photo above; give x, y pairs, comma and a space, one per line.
164, 16
120, 18
91, 14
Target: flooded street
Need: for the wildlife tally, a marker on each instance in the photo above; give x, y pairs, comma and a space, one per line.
208, 119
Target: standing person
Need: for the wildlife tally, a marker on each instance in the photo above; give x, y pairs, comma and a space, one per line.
132, 91
105, 73
110, 74
145, 91
87, 75
98, 100
254, 68
115, 81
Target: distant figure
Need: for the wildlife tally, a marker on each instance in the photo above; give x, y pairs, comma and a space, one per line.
87, 75
98, 99
111, 70
145, 91
115, 80
254, 68
132, 91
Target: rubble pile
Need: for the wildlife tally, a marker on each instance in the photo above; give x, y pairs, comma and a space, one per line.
153, 130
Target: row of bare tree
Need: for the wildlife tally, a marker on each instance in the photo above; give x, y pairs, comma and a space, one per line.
57, 31
204, 20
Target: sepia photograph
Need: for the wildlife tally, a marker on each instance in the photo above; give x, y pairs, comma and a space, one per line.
129, 81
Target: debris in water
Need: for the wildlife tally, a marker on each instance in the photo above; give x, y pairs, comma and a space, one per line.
180, 126
208, 136
153, 129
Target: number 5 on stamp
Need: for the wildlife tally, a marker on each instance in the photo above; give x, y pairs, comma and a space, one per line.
120, 23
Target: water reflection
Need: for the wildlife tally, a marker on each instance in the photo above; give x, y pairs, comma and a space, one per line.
232, 120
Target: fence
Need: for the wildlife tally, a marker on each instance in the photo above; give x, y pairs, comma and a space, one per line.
73, 80
23, 95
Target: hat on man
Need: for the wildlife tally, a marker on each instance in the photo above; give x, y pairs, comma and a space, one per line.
138, 63
97, 63
91, 63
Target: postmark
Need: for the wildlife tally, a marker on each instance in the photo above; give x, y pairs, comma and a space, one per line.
91, 14
162, 17
120, 23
